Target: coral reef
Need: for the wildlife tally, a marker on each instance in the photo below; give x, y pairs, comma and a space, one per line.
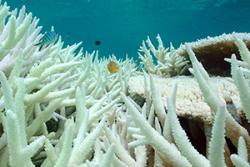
63, 108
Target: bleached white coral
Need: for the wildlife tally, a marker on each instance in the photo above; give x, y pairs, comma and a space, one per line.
67, 109
168, 62
216, 157
52, 76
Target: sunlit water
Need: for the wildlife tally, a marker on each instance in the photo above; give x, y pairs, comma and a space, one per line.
121, 25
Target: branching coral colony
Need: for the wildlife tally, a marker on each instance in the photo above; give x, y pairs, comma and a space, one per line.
168, 62
65, 109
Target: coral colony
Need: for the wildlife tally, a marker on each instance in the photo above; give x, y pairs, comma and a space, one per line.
63, 108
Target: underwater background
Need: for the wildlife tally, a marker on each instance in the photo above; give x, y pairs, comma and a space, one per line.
119, 26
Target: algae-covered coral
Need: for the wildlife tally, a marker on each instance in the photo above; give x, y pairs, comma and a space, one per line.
60, 107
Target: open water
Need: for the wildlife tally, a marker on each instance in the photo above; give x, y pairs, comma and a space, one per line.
119, 26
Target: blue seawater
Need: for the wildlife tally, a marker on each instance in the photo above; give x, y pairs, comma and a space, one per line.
121, 25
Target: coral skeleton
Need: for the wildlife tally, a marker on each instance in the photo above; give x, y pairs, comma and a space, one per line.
62, 107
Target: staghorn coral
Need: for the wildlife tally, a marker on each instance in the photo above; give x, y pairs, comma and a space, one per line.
168, 61
68, 110
20, 152
51, 96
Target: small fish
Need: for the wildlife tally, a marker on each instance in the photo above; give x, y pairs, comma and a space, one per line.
113, 67
97, 42
49, 38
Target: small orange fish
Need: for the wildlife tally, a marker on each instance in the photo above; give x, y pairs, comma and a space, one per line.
113, 67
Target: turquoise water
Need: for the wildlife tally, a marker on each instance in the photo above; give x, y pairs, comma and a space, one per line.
121, 25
